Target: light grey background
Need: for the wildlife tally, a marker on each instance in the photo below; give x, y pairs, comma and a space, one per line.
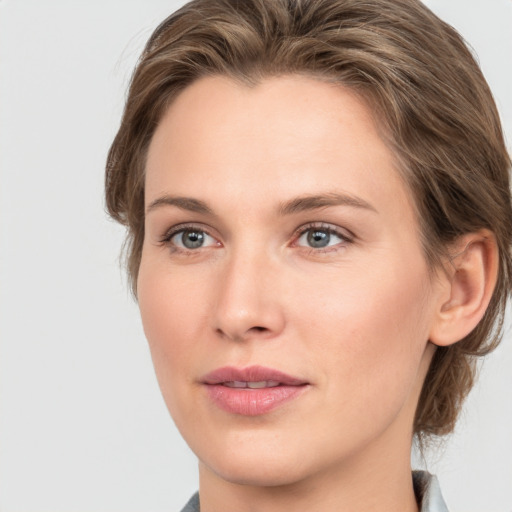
82, 424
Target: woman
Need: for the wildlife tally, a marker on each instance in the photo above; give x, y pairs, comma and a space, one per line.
318, 208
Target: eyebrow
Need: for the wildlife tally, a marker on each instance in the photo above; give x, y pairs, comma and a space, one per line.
313, 202
295, 205
185, 203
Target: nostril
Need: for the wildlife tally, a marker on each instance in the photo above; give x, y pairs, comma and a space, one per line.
241, 337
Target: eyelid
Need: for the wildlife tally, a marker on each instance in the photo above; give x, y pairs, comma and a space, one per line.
344, 234
166, 238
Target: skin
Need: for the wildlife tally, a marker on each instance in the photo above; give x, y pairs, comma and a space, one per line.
353, 318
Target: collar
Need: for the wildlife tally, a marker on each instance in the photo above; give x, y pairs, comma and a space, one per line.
428, 492
426, 488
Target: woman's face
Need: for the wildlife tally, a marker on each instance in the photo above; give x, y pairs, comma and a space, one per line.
282, 287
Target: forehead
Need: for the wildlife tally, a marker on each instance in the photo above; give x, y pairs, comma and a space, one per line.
284, 137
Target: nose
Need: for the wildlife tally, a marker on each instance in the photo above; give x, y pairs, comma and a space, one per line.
249, 303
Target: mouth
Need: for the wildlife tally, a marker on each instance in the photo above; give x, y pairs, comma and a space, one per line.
252, 391
240, 384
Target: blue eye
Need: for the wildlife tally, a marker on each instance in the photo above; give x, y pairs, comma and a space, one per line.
320, 238
191, 239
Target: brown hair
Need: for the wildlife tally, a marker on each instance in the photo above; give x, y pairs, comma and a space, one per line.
429, 97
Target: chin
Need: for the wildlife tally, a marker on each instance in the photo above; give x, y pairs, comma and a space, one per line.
259, 471
259, 457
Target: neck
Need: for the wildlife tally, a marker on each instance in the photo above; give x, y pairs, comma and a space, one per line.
381, 482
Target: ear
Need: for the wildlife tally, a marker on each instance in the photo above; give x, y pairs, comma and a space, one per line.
468, 283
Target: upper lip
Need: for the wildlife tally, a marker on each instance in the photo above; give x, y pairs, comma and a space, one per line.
251, 374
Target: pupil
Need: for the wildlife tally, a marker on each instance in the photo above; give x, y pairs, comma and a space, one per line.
192, 239
318, 238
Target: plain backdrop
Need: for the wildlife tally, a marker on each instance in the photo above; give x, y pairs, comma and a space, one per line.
82, 423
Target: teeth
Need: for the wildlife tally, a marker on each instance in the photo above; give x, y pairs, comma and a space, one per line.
252, 385
257, 385
235, 384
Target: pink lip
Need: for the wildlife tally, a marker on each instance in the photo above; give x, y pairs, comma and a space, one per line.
247, 401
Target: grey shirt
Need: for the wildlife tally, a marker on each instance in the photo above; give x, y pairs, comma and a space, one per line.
426, 487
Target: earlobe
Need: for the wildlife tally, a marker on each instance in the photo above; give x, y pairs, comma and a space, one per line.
470, 279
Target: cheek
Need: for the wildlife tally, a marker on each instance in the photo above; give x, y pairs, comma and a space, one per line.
171, 302
172, 312
381, 300
370, 332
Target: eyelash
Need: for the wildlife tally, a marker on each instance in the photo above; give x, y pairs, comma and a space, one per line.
345, 236
181, 228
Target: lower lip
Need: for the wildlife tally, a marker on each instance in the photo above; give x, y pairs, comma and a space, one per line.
252, 402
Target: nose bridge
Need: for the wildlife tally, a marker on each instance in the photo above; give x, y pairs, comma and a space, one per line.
248, 299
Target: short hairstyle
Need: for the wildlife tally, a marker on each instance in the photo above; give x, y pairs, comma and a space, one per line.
430, 100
